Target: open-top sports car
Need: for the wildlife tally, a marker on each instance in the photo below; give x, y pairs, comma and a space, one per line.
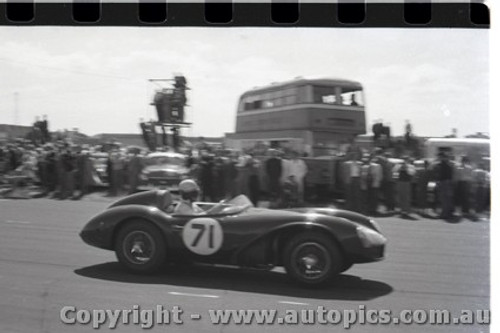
313, 244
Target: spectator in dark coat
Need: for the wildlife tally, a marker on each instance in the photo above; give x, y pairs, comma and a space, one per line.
83, 173
405, 173
207, 177
274, 171
230, 177
14, 160
253, 166
134, 168
422, 178
219, 186
109, 173
68, 165
443, 172
51, 163
481, 188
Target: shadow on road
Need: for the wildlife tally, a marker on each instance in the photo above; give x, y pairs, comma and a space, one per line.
345, 287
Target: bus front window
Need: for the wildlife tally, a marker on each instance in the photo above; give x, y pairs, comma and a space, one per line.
352, 97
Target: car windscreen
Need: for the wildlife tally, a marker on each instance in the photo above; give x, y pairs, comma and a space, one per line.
240, 201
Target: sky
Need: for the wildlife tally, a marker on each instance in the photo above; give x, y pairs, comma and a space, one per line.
96, 79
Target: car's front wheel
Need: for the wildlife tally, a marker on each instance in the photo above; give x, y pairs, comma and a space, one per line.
312, 258
140, 247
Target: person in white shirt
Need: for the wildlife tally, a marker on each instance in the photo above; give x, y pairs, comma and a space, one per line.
298, 169
353, 182
189, 192
376, 176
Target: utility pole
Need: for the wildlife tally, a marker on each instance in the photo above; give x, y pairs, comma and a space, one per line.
16, 108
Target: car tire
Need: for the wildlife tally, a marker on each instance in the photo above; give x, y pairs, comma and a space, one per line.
140, 247
312, 259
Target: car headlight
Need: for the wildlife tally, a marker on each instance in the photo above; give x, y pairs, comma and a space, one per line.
369, 237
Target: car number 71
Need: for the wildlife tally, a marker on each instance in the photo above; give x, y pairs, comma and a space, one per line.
203, 236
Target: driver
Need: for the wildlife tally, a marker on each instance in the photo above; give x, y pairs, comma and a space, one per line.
189, 191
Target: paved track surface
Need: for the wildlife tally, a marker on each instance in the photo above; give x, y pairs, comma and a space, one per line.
44, 266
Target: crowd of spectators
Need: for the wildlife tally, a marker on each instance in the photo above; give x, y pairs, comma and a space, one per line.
274, 176
442, 186
373, 182
63, 170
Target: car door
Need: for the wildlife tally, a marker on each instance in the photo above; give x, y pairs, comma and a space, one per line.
200, 238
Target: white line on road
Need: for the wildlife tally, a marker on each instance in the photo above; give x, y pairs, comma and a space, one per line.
293, 303
17, 222
192, 295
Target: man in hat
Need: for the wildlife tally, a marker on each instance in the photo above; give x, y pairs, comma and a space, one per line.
405, 173
444, 172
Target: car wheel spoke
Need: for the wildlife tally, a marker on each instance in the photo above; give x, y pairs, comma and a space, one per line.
139, 247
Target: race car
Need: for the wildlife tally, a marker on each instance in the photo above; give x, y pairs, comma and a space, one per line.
313, 244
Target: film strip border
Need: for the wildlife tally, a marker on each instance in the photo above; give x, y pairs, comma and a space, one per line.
343, 13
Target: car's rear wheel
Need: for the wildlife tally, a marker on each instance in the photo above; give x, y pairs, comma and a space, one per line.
312, 258
140, 247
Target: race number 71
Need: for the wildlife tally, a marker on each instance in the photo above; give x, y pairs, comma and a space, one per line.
203, 236
201, 232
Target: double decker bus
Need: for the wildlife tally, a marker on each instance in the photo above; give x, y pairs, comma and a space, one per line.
313, 116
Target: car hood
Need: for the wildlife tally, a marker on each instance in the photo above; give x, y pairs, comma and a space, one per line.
345, 214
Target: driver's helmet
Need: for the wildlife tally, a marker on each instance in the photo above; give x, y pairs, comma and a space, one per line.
189, 190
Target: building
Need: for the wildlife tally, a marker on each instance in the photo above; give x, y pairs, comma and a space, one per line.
130, 139
11, 132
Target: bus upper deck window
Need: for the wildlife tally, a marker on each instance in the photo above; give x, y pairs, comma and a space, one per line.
352, 98
268, 104
329, 99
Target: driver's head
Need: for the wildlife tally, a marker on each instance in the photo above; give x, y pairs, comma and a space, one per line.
189, 190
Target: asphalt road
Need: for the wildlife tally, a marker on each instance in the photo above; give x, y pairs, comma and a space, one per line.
44, 266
